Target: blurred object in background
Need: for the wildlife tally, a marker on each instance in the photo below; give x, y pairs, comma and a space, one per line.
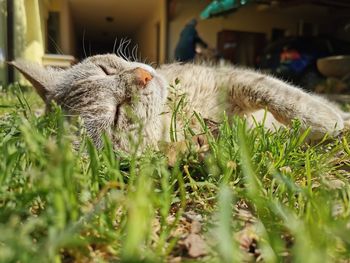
332, 86
240, 47
221, 7
206, 54
337, 71
186, 46
335, 66
294, 58
52, 31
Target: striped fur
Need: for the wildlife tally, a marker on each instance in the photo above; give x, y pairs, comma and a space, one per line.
102, 90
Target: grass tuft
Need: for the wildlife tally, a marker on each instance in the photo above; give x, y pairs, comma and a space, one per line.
255, 194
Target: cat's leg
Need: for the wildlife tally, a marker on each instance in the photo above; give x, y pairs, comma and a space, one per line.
252, 91
265, 117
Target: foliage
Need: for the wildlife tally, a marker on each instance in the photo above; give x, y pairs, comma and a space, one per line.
260, 194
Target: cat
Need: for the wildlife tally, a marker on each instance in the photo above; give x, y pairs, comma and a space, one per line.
121, 98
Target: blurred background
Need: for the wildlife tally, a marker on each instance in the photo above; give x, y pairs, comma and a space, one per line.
305, 42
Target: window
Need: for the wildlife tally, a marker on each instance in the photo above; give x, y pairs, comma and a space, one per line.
53, 33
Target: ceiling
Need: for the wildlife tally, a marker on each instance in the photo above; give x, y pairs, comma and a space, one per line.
103, 20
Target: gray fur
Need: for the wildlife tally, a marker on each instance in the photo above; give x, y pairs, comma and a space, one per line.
103, 90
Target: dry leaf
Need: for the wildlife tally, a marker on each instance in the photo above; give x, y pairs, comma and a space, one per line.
195, 245
174, 150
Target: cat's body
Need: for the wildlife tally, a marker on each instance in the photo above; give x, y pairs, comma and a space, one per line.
115, 96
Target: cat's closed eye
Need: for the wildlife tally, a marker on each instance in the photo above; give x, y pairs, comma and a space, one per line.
105, 70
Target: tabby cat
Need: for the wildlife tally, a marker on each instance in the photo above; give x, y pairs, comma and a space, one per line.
120, 97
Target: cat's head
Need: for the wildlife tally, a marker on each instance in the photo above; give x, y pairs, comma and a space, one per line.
108, 92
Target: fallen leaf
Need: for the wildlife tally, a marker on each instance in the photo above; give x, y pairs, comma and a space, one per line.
192, 243
195, 245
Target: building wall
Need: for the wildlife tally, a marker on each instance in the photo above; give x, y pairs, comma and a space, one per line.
251, 18
30, 27
68, 37
146, 36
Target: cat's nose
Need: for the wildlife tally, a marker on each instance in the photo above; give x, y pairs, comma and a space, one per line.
143, 76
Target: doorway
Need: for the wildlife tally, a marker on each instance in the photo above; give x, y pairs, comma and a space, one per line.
239, 47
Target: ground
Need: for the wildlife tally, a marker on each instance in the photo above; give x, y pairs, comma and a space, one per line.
252, 195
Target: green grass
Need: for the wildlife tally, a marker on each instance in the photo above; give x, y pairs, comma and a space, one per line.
258, 194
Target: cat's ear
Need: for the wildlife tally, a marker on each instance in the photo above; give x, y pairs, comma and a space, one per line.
41, 78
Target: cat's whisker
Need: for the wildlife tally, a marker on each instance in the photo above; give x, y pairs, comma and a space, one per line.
134, 52
118, 49
115, 43
126, 50
153, 64
84, 44
138, 54
148, 62
121, 48
58, 50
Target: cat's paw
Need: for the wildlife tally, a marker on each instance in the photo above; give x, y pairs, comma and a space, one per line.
323, 121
